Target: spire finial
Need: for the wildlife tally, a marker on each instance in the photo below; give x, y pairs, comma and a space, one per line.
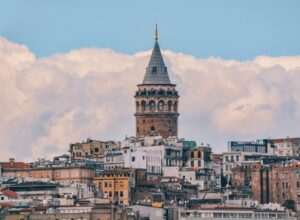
156, 33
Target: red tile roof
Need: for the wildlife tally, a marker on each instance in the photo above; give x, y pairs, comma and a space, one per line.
6, 205
13, 165
9, 193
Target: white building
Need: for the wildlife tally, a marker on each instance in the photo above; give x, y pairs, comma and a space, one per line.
113, 160
139, 158
219, 213
287, 146
155, 154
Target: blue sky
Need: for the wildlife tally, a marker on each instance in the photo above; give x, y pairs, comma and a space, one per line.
229, 29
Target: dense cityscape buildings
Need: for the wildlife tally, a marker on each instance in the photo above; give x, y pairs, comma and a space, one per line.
156, 174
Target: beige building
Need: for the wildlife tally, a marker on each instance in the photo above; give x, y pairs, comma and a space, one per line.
92, 149
96, 209
61, 175
116, 184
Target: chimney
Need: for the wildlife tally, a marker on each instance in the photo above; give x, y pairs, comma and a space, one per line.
11, 160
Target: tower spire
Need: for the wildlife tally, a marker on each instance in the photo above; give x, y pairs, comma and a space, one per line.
156, 33
156, 72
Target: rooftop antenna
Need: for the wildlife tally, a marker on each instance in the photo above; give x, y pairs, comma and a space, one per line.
156, 33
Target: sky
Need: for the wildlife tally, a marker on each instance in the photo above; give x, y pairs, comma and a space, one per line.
229, 29
68, 71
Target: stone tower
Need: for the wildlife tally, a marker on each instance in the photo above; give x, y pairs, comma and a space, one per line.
156, 99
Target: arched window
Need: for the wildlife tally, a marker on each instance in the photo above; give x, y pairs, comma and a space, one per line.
175, 107
192, 154
143, 104
137, 106
161, 105
169, 105
152, 106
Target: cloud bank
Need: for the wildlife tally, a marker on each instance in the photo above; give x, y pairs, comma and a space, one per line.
47, 103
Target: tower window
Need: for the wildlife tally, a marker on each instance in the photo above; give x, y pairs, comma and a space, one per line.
152, 128
169, 105
161, 105
175, 106
154, 69
143, 103
152, 106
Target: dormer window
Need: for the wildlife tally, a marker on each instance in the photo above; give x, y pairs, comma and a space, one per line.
154, 69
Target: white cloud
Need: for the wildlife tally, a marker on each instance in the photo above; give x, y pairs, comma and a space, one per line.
50, 102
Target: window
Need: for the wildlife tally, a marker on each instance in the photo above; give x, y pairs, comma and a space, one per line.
152, 129
192, 154
110, 184
175, 106
152, 106
161, 105
154, 69
152, 169
199, 154
169, 105
110, 194
121, 193
64, 173
121, 184
199, 163
168, 152
132, 159
74, 173
105, 184
96, 150
143, 104
192, 163
237, 158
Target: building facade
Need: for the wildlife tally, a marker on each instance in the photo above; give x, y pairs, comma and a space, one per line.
277, 184
116, 185
61, 175
286, 146
92, 149
260, 146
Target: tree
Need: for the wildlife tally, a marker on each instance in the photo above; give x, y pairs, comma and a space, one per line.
223, 181
290, 204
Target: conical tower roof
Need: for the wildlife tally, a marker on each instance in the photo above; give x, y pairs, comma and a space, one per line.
156, 72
